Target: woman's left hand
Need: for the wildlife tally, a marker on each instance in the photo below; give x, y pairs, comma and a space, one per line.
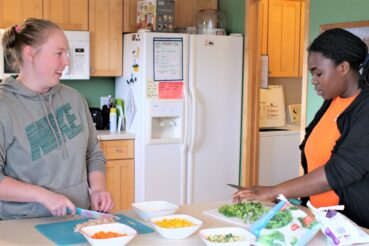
101, 201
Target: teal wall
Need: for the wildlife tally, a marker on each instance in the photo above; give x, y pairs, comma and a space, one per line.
234, 11
327, 12
94, 88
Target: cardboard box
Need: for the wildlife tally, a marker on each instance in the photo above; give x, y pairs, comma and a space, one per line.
156, 15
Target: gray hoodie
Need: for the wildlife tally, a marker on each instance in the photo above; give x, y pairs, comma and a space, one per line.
47, 140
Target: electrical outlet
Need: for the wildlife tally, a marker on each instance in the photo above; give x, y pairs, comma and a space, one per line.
104, 101
295, 112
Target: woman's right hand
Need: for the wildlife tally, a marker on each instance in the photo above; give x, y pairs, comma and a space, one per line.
259, 193
57, 204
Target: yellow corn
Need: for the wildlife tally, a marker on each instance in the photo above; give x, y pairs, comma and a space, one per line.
174, 223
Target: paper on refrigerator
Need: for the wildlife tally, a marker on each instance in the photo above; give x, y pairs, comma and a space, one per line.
131, 108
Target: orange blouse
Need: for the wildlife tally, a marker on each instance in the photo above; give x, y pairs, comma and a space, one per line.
319, 146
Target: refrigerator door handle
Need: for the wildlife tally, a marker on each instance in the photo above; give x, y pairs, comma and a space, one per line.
184, 150
192, 93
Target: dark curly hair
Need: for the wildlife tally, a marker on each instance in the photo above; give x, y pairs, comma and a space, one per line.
340, 45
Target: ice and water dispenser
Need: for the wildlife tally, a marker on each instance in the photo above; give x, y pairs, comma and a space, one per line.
165, 121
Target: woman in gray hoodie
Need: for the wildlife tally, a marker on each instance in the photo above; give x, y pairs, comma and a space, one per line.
50, 159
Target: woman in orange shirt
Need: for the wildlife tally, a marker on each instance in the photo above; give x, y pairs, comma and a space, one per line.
335, 150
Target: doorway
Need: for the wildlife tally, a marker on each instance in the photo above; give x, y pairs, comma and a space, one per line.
252, 78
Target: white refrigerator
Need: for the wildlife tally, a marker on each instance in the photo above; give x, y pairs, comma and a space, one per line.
182, 97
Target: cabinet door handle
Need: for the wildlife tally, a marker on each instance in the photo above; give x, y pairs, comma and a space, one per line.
118, 150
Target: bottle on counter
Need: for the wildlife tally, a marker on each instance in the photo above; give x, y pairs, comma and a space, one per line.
113, 120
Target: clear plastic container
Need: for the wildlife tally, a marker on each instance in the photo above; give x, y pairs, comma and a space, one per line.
113, 120
211, 21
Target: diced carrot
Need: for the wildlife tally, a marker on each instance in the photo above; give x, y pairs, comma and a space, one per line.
105, 235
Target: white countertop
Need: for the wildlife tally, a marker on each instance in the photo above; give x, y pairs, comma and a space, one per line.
23, 232
289, 129
108, 135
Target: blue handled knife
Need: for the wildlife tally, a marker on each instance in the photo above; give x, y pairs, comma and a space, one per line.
93, 214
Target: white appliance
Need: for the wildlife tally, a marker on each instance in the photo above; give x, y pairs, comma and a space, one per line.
182, 97
279, 155
79, 57
272, 111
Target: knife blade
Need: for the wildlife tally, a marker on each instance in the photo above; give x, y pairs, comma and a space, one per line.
236, 186
93, 214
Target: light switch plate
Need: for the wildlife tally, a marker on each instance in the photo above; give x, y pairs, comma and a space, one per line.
295, 112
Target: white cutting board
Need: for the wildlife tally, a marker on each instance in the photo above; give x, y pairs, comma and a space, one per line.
233, 220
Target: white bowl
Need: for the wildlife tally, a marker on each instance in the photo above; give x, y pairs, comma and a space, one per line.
248, 237
88, 231
151, 209
176, 233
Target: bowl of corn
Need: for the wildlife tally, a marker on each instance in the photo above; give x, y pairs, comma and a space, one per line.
178, 226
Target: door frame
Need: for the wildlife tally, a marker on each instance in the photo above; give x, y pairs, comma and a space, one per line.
252, 77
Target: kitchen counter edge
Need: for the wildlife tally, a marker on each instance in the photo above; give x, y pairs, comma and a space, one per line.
108, 135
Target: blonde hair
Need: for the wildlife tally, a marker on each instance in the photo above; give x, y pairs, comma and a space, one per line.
33, 32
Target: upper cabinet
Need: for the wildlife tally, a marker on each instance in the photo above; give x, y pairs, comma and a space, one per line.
68, 14
284, 35
129, 15
106, 27
16, 11
186, 11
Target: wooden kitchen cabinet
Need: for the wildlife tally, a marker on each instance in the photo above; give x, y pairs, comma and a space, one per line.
16, 11
68, 14
185, 12
282, 29
106, 27
119, 156
263, 20
129, 16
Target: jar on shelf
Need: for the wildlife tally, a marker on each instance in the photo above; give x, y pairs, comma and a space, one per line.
210, 21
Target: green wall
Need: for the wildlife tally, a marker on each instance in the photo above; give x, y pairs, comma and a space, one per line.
327, 12
234, 11
94, 88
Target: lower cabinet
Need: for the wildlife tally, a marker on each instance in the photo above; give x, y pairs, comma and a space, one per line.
119, 156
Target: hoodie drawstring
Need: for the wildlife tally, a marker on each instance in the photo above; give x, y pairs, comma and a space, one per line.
61, 143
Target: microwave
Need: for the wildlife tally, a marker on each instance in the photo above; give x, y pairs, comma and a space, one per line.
79, 57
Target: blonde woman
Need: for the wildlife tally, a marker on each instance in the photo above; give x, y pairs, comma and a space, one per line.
50, 159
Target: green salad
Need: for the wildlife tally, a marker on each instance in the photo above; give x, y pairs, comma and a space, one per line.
252, 211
